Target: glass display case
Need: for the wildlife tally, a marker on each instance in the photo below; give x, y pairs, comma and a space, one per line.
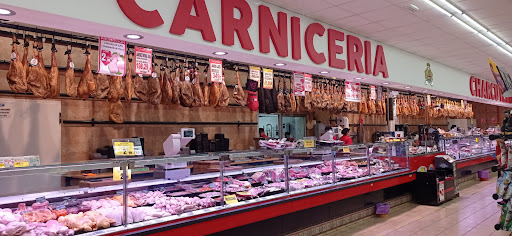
467, 147
115, 195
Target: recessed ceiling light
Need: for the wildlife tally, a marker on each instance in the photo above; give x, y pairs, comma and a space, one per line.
358, 78
385, 83
7, 12
324, 72
280, 64
220, 53
407, 87
133, 36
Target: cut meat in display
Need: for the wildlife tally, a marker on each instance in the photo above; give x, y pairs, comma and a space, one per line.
36, 78
238, 92
115, 91
87, 84
53, 77
154, 88
187, 97
102, 86
70, 82
17, 75
128, 87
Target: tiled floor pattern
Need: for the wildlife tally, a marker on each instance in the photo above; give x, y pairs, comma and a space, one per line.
474, 213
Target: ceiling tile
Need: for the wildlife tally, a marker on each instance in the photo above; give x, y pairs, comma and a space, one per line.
361, 6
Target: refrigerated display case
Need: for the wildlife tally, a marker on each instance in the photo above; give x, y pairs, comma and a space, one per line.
467, 147
174, 191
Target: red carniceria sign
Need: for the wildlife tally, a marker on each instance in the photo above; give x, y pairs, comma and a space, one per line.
358, 53
485, 89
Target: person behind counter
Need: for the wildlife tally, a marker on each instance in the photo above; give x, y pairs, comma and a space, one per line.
328, 135
262, 133
345, 138
288, 137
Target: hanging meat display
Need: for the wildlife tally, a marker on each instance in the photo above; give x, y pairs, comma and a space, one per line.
238, 92
223, 92
69, 77
140, 88
53, 77
166, 85
17, 75
154, 87
363, 109
185, 87
280, 96
308, 99
214, 93
24, 61
175, 83
197, 91
102, 86
205, 87
87, 85
128, 87
116, 113
115, 91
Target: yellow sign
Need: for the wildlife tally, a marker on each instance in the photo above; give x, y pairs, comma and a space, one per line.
255, 74
124, 149
346, 149
477, 139
309, 143
21, 164
2, 165
230, 199
268, 78
117, 173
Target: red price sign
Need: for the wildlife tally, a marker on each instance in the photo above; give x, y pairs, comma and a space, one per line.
216, 71
143, 58
308, 82
298, 84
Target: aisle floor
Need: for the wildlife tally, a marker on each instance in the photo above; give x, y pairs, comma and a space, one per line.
474, 213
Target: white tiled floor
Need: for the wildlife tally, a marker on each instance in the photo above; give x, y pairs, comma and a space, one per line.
474, 213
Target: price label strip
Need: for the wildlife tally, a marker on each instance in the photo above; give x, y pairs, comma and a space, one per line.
230, 199
21, 164
346, 149
309, 143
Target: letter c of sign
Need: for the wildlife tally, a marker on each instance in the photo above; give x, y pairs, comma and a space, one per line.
139, 16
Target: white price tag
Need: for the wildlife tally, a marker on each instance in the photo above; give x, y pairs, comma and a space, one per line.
216, 71
143, 57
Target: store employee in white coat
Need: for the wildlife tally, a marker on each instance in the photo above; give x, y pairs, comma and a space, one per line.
328, 135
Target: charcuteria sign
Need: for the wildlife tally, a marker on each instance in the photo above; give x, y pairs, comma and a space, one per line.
282, 31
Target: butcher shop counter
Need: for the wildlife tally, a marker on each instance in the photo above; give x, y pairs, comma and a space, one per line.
180, 201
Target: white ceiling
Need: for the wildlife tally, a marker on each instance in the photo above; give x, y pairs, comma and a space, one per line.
427, 32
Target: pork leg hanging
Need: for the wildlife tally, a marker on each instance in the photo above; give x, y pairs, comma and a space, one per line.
70, 82
116, 113
54, 81
87, 85
197, 92
224, 94
115, 91
102, 86
238, 92
187, 97
154, 87
214, 93
206, 88
24, 61
175, 83
166, 85
16, 76
36, 78
128, 88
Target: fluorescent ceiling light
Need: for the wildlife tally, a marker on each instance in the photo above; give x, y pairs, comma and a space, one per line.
438, 7
220, 53
494, 38
358, 78
508, 47
487, 39
133, 36
7, 12
324, 72
385, 83
464, 24
452, 7
469, 19
280, 64
407, 87
503, 50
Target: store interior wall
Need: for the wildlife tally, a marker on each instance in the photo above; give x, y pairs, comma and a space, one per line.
488, 115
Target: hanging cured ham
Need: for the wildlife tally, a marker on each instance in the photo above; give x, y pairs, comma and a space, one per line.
54, 81
102, 86
42, 68
16, 76
214, 93
69, 77
154, 87
186, 88
140, 88
196, 88
223, 94
166, 86
87, 85
280, 97
205, 87
175, 83
116, 113
115, 91
238, 92
24, 61
128, 87
307, 101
